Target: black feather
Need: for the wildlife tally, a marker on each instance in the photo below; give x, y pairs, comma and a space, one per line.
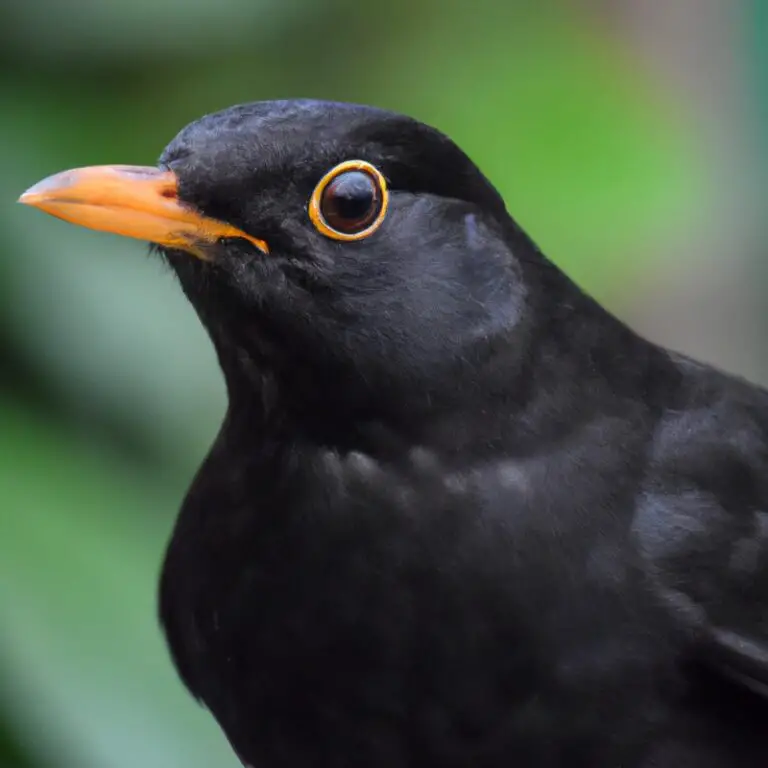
458, 514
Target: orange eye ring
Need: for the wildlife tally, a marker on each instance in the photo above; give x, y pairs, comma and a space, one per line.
316, 201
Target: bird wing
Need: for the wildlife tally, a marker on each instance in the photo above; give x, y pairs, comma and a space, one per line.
702, 526
741, 657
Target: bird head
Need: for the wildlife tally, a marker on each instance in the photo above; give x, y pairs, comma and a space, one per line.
354, 257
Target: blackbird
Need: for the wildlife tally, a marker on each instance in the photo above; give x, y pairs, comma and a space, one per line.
457, 513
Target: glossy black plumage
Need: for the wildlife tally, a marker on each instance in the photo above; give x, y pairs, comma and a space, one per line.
457, 513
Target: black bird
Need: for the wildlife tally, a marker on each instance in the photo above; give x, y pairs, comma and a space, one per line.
457, 513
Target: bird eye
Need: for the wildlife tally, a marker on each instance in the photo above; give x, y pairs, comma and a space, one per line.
350, 201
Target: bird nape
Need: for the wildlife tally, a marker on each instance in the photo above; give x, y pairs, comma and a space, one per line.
457, 513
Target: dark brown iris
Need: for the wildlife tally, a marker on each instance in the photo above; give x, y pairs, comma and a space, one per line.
351, 202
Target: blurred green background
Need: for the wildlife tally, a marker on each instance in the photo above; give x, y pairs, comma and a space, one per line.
628, 137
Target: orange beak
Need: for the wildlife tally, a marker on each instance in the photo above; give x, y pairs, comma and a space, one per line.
134, 201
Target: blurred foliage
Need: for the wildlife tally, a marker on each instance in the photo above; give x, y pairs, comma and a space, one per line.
759, 49
111, 395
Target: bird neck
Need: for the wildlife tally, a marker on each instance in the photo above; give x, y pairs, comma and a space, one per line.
571, 361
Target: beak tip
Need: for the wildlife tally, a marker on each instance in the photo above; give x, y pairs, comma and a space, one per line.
46, 189
35, 193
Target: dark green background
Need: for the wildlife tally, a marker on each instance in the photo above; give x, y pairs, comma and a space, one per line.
629, 144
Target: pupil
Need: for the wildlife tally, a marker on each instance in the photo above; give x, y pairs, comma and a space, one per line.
351, 197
